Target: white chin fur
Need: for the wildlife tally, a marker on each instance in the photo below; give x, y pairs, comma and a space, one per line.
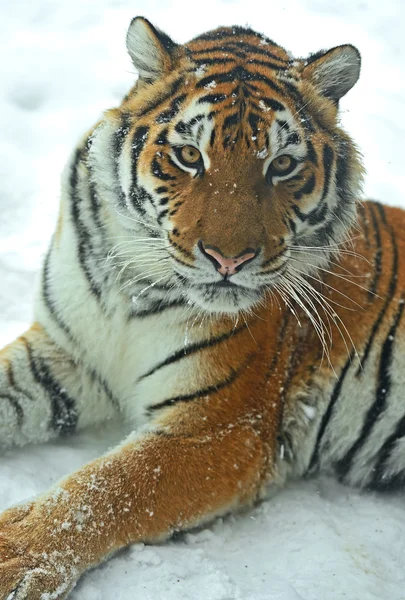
224, 300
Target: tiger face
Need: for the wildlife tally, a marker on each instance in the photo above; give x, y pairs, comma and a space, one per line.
229, 151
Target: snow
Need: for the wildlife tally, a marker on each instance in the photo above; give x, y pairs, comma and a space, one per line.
62, 64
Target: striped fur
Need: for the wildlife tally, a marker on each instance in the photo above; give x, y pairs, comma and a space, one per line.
295, 369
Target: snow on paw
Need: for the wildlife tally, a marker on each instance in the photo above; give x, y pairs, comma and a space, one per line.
28, 572
21, 580
39, 584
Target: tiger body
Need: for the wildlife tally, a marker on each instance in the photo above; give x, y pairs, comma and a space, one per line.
234, 388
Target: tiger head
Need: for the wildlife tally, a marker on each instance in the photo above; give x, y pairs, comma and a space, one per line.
229, 151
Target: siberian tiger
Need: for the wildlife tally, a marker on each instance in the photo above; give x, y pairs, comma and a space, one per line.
214, 277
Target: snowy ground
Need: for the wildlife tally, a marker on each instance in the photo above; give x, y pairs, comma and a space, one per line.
61, 64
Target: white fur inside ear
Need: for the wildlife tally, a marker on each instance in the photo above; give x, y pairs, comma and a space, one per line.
144, 49
335, 73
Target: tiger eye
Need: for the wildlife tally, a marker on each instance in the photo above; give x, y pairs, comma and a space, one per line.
281, 163
190, 154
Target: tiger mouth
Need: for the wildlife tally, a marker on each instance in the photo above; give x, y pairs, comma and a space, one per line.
225, 283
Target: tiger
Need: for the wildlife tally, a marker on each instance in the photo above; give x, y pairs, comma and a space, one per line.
216, 280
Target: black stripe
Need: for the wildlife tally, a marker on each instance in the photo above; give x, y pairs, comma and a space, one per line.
200, 132
118, 140
294, 178
162, 189
378, 480
377, 256
292, 226
249, 77
343, 466
213, 61
14, 386
314, 216
293, 139
164, 39
155, 308
96, 210
173, 89
327, 166
234, 47
182, 250
181, 262
167, 115
254, 121
162, 214
138, 142
107, 391
261, 50
304, 118
84, 242
283, 124
239, 73
46, 294
158, 172
267, 64
311, 156
272, 259
317, 215
201, 393
138, 195
212, 98
17, 407
192, 349
394, 483
343, 174
185, 128
162, 137
64, 411
273, 104
307, 188
230, 120
328, 415
381, 211
64, 327
389, 296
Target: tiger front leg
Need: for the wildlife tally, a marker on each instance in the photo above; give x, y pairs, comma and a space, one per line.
196, 463
44, 393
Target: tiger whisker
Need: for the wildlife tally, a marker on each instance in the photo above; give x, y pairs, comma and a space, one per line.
331, 262
328, 309
329, 287
151, 285
339, 276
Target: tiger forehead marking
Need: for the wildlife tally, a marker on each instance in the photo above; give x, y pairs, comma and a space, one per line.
270, 168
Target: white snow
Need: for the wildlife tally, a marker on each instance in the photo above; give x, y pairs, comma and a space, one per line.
62, 64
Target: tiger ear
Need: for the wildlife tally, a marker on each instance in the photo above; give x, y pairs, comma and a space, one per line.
151, 50
334, 72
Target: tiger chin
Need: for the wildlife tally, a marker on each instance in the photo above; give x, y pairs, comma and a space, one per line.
215, 278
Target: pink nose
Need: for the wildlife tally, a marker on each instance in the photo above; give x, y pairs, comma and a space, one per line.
224, 265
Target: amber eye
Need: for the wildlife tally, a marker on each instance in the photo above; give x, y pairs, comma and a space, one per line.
189, 156
281, 166
282, 163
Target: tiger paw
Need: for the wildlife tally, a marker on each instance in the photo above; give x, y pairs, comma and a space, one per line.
27, 570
